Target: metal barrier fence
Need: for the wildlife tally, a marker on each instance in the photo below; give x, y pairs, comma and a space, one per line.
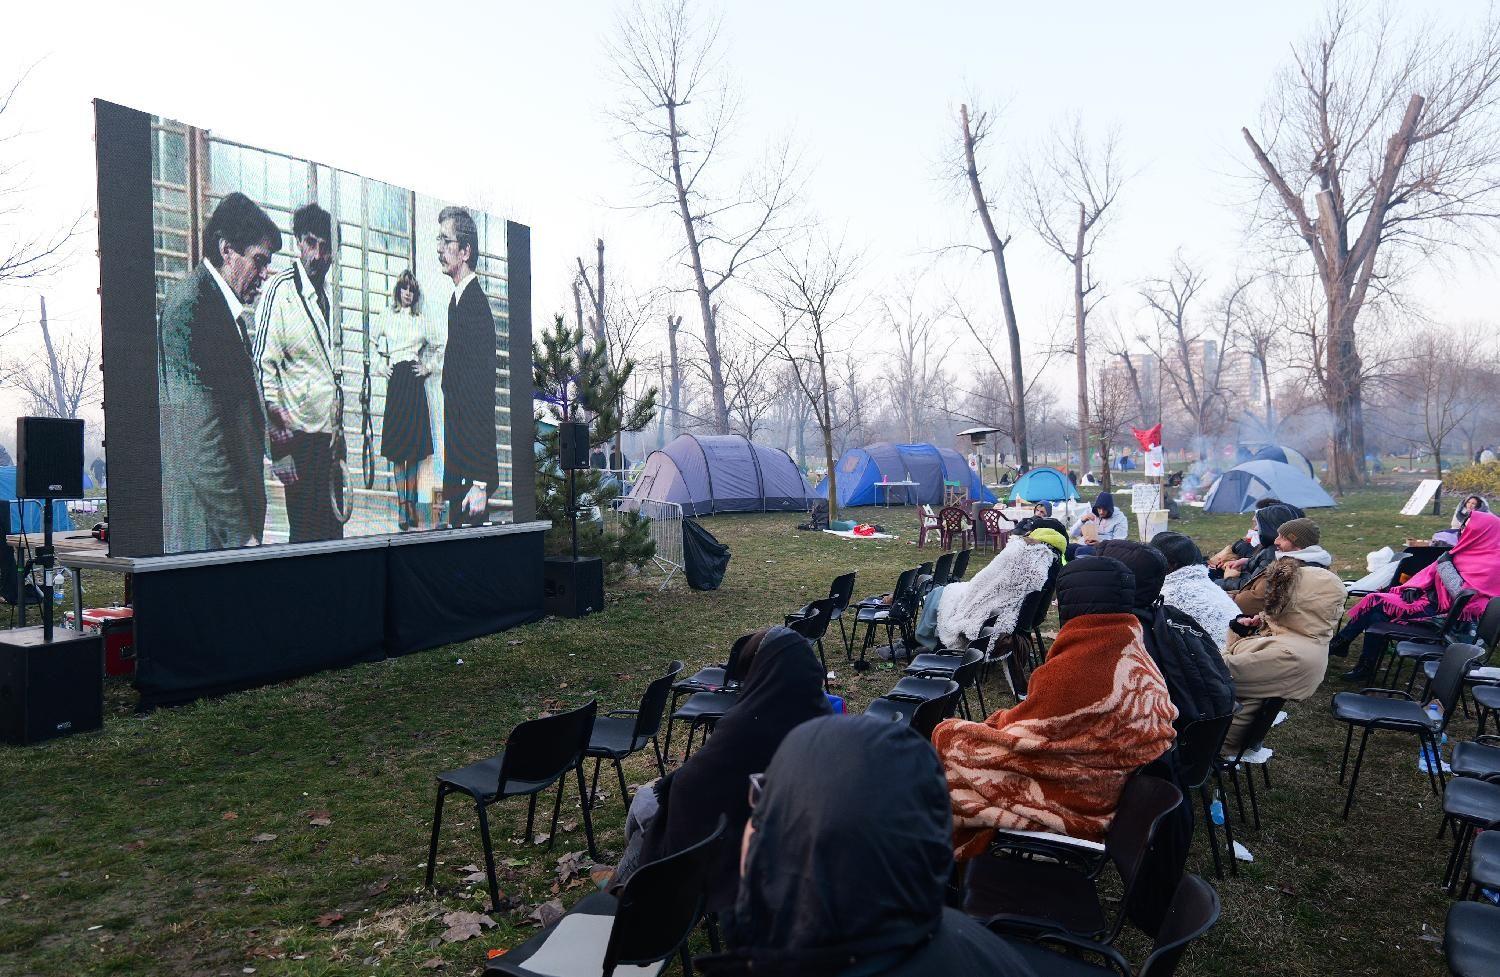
666, 531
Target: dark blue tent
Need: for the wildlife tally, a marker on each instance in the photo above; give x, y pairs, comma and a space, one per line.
860, 470
26, 517
1043, 484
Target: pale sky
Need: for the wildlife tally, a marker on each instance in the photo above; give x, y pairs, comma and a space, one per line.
502, 105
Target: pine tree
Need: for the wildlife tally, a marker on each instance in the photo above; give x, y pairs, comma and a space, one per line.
575, 383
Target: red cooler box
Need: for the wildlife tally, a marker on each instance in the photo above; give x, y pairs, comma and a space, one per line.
117, 626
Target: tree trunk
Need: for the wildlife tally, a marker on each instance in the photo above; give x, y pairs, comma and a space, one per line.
60, 405
700, 281
1080, 341
1135, 384
675, 396
1437, 497
1007, 307
825, 419
1265, 382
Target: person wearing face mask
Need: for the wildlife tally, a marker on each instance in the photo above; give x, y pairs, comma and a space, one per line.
841, 876
212, 415
1241, 549
1267, 522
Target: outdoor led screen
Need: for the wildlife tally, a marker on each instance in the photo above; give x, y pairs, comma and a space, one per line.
330, 356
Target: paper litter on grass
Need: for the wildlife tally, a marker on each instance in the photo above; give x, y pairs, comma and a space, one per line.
1241, 853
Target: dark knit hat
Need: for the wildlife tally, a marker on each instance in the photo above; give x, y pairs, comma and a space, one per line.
1148, 566
1094, 585
1304, 532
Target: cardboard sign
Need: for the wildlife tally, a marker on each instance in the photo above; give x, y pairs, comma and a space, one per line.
1155, 464
1422, 497
1145, 497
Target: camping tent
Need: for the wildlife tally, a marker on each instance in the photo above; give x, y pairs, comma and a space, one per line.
860, 470
1043, 484
26, 517
1290, 456
1238, 489
706, 474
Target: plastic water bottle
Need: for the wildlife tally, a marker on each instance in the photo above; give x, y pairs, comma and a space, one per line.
59, 587
1216, 811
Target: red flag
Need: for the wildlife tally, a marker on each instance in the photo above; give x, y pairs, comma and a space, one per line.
1149, 438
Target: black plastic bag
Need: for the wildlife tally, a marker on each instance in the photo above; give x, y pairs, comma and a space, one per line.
704, 558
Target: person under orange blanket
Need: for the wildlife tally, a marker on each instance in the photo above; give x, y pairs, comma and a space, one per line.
1097, 709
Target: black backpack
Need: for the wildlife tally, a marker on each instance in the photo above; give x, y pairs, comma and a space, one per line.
1197, 678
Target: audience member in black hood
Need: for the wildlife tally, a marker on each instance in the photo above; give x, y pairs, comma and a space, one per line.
1268, 520
845, 861
783, 688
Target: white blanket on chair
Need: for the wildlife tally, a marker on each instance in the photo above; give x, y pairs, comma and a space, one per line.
998, 590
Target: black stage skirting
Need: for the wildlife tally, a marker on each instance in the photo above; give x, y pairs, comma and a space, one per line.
210, 629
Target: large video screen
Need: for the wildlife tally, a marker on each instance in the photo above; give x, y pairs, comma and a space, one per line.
332, 353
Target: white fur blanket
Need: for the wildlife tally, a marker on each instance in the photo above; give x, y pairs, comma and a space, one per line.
1190, 591
997, 590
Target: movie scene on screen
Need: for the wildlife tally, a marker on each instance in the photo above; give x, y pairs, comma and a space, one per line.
332, 351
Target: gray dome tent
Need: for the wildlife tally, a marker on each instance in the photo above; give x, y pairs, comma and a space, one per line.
706, 474
1238, 489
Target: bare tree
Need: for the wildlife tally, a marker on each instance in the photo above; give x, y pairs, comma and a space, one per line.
1070, 188
24, 257
811, 290
674, 377
1110, 419
1117, 346
917, 360
63, 377
1192, 349
1398, 142
676, 114
966, 170
1435, 390
997, 393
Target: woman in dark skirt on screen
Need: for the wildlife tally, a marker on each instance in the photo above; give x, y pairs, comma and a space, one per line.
411, 352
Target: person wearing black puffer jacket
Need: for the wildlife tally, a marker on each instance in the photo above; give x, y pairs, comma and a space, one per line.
842, 875
1267, 522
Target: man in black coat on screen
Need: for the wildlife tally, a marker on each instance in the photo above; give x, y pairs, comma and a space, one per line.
470, 462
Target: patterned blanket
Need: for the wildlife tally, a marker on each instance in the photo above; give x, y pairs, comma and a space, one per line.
1097, 709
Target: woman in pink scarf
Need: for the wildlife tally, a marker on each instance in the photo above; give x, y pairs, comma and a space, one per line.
1473, 564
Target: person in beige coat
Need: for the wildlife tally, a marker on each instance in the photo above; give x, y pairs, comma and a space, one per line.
1282, 652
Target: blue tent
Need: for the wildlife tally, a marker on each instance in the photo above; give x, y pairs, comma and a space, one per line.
1043, 484
26, 517
860, 470
1290, 456
1238, 489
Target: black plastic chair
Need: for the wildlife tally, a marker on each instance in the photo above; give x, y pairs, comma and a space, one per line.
920, 709
1471, 940
1436, 630
1469, 805
1421, 651
942, 570
622, 732
1193, 912
962, 668
1478, 758
1055, 894
1198, 746
1484, 864
1255, 735
898, 615
716, 679
1394, 709
813, 625
538, 753
841, 592
960, 566
655, 913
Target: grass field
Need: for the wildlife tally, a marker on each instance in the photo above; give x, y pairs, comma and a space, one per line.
184, 841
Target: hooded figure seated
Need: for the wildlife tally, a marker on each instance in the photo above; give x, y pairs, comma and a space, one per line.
996, 591
1188, 588
1250, 596
783, 688
1097, 709
1285, 656
842, 875
1189, 660
1041, 518
1102, 521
